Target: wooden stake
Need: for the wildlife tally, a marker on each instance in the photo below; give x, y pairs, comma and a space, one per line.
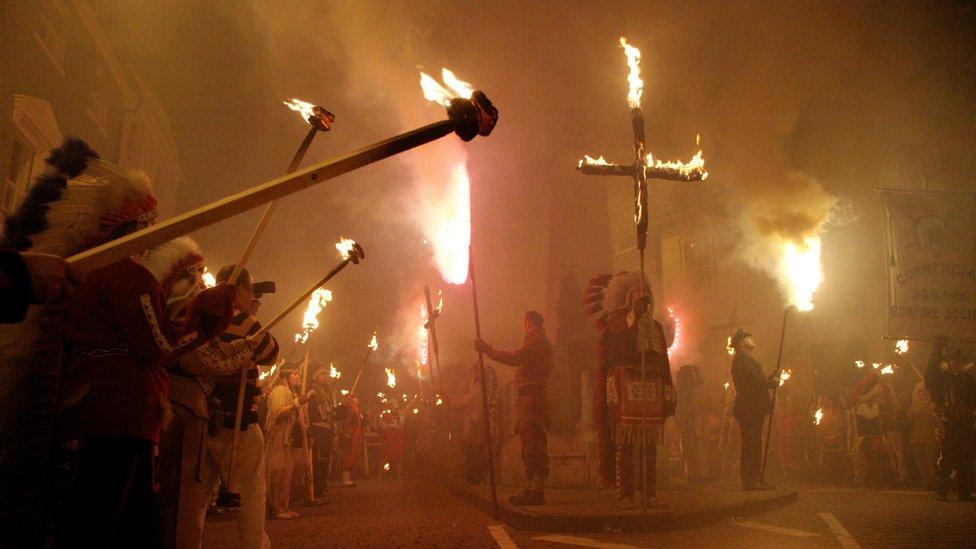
484, 390
275, 189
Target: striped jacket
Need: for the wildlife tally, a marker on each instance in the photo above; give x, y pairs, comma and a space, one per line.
265, 353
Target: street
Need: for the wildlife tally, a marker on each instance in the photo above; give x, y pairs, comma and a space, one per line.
417, 514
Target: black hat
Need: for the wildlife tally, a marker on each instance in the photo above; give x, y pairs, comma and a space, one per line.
740, 334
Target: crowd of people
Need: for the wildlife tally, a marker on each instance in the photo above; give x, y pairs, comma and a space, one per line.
870, 432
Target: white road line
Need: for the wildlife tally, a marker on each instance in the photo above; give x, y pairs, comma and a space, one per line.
777, 529
844, 538
584, 542
498, 532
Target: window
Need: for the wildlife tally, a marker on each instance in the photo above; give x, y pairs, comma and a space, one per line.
52, 33
697, 264
18, 180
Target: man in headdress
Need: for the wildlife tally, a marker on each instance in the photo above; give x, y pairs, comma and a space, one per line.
623, 314
533, 362
117, 341
183, 466
752, 405
949, 377
248, 477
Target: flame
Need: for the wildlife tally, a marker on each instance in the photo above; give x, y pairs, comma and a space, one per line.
209, 280
416, 411
423, 338
590, 161
344, 392
319, 299
304, 108
373, 343
728, 346
802, 271
784, 376
726, 386
875, 365
450, 230
676, 342
633, 78
440, 302
333, 372
381, 395
439, 401
434, 91
264, 375
818, 416
859, 363
386, 466
345, 246
888, 370
693, 166
901, 346
390, 378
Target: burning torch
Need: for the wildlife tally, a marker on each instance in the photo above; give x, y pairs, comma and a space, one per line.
467, 117
370, 347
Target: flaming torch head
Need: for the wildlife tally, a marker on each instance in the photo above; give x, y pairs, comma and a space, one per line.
633, 78
471, 109
901, 346
350, 250
887, 370
390, 378
333, 372
209, 280
818, 416
319, 299
801, 263
373, 343
316, 116
784, 376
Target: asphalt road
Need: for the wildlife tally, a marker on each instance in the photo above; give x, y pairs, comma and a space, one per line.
413, 514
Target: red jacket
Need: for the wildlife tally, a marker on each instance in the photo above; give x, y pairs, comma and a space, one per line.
118, 340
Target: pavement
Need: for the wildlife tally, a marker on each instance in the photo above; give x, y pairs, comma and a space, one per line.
591, 510
426, 514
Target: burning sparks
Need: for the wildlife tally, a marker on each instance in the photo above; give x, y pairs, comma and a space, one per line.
633, 78
209, 280
818, 416
390, 378
320, 298
333, 372
434, 91
676, 342
345, 247
802, 270
784, 376
901, 346
373, 343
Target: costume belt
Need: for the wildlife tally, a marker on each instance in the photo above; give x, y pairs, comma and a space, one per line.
120, 349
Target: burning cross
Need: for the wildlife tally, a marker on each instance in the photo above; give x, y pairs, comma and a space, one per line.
645, 166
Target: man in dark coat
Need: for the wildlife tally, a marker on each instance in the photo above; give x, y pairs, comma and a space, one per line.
752, 405
953, 391
534, 362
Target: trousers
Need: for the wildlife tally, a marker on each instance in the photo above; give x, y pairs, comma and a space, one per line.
533, 424
247, 480
750, 458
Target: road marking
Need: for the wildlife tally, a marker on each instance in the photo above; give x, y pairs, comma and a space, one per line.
844, 538
501, 537
777, 529
584, 542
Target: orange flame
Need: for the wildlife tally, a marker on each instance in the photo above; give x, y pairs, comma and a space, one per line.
334, 373
694, 166
319, 299
390, 378
901, 346
633, 78
818, 416
303, 108
345, 246
784, 376
434, 91
209, 280
373, 343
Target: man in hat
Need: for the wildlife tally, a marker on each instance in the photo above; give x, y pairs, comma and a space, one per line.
752, 405
533, 362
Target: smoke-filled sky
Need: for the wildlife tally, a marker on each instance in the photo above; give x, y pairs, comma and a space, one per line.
800, 106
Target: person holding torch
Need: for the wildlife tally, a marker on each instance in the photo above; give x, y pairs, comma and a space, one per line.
752, 405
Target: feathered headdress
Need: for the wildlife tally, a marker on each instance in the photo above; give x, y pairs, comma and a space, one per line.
82, 202
607, 293
177, 265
